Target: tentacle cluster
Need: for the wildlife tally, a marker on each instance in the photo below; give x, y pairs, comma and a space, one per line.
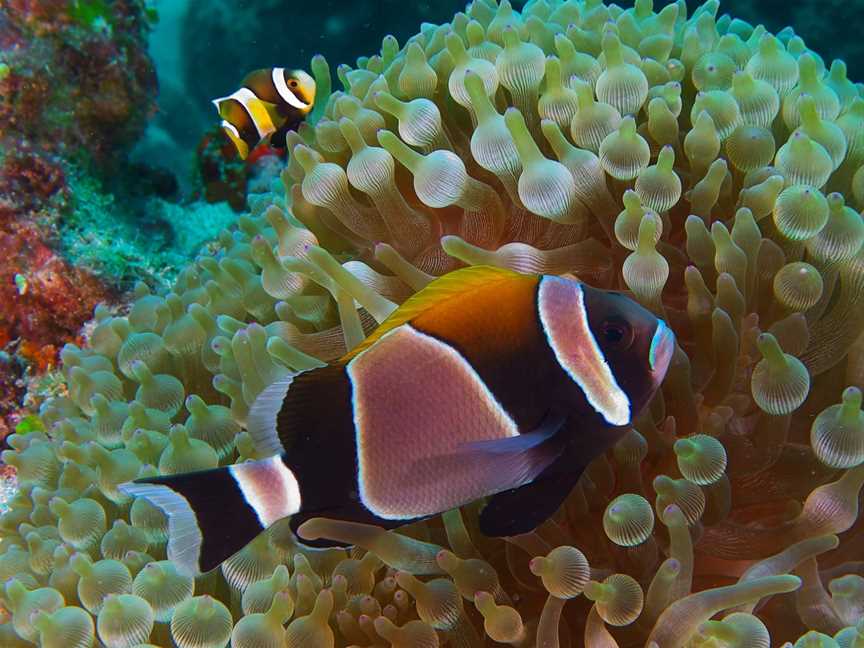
707, 167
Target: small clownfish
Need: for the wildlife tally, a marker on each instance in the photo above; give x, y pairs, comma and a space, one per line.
486, 383
269, 103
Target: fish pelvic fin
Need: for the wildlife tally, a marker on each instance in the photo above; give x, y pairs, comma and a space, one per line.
212, 514
522, 509
234, 135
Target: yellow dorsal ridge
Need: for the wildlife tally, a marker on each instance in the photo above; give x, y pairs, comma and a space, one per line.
436, 292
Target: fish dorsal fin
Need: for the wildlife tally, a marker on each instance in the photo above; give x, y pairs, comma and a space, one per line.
436, 292
261, 421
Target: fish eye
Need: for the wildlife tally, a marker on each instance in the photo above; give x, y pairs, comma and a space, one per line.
617, 333
293, 83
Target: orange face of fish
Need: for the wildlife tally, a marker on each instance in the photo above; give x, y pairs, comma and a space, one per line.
303, 85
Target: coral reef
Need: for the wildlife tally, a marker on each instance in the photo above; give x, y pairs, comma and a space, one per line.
44, 296
76, 88
77, 79
76, 91
710, 168
45, 299
133, 234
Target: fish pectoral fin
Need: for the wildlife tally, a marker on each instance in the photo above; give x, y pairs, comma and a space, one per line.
517, 460
523, 509
547, 429
273, 111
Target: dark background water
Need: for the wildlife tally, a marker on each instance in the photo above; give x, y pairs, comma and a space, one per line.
203, 48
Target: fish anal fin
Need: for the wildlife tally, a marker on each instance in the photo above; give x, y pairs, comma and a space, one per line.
439, 290
234, 135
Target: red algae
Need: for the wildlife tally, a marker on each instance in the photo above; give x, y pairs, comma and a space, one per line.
75, 91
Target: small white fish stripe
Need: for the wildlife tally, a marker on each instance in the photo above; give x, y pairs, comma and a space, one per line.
257, 113
561, 306
234, 135
285, 92
269, 487
230, 127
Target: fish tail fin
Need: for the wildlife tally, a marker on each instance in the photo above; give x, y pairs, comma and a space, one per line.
212, 514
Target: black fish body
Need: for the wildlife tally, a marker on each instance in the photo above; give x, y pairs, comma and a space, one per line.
486, 383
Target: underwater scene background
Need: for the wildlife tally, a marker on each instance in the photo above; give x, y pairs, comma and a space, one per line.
706, 159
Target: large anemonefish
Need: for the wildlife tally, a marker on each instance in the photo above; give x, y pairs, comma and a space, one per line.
485, 383
269, 103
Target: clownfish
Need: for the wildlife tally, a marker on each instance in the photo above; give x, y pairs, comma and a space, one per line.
486, 383
269, 103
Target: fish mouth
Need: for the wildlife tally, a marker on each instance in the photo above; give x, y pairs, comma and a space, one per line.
661, 350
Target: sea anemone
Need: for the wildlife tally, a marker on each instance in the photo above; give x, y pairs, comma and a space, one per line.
709, 169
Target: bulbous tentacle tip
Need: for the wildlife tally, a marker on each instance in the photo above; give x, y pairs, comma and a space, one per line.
595, 138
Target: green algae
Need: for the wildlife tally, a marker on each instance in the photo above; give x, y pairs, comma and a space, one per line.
126, 241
